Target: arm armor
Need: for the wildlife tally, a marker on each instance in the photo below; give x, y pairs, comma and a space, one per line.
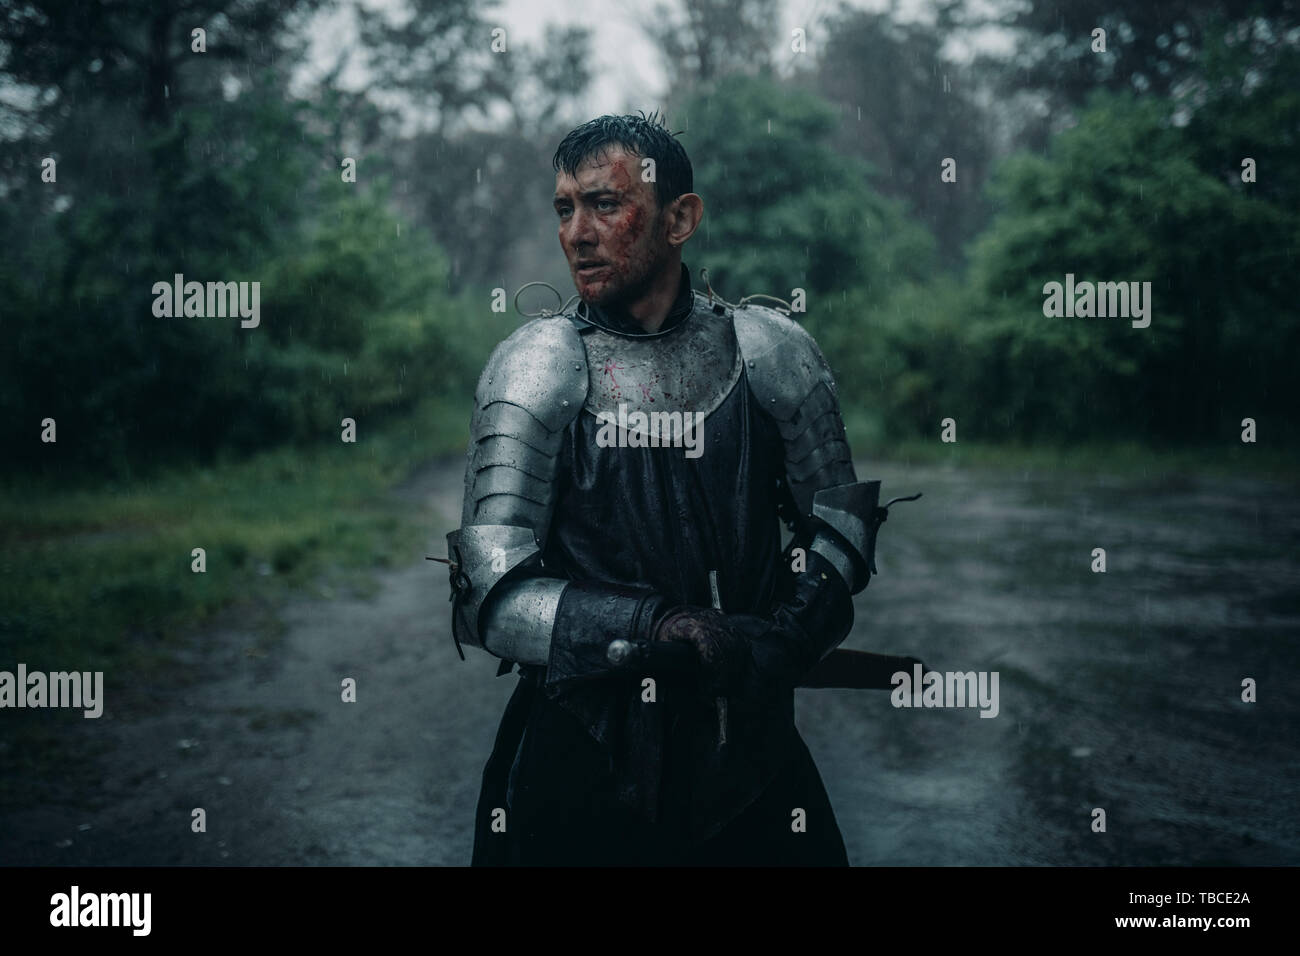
789, 377
532, 388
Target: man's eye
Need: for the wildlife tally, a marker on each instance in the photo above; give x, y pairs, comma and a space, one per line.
606, 205
564, 212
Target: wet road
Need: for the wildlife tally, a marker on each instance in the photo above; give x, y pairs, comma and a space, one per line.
1119, 691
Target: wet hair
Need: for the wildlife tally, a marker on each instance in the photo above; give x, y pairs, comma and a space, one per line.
641, 135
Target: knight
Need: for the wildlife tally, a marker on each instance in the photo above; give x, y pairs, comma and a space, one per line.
643, 594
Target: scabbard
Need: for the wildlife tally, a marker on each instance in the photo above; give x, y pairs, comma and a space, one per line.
857, 670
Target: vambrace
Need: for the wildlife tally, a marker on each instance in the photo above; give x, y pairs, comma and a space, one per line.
603, 629
505, 604
483, 557
519, 621
798, 632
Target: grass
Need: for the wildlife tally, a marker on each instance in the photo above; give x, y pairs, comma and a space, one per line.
100, 577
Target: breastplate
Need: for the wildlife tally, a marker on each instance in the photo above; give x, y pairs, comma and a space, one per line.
689, 370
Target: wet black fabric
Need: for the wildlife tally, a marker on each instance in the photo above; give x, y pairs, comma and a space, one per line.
652, 518
564, 810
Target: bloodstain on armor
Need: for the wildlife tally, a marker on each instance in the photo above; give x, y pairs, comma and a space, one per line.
610, 368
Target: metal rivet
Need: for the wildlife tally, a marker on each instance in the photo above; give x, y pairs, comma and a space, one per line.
618, 651
565, 403
751, 363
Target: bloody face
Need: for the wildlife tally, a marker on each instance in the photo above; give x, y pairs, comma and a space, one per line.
611, 228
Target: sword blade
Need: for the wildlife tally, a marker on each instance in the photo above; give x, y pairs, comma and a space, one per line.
720, 701
857, 670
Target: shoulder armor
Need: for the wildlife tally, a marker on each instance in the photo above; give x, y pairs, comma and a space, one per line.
789, 377
540, 367
784, 361
533, 386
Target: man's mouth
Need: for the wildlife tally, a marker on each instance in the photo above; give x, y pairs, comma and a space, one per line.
588, 269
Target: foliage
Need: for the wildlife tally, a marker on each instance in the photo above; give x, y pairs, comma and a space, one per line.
783, 209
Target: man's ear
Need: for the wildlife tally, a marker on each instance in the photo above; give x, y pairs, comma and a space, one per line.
684, 215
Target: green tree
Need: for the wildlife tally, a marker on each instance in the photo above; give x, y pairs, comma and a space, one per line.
476, 165
905, 108
232, 180
1121, 197
1151, 48
783, 208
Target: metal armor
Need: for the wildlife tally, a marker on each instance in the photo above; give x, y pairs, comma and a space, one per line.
790, 377
536, 384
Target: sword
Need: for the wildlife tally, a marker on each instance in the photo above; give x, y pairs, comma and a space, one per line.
721, 701
857, 670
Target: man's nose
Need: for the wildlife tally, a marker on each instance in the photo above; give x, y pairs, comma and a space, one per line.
580, 230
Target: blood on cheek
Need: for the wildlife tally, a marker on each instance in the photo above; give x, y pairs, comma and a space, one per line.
624, 235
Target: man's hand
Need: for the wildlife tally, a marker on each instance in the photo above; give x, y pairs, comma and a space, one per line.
722, 646
758, 656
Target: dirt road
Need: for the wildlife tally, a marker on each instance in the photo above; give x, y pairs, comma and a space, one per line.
1119, 691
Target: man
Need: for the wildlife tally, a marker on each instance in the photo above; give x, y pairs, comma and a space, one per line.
632, 567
